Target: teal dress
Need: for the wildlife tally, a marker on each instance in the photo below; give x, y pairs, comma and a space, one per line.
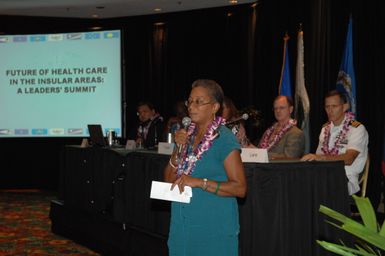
209, 224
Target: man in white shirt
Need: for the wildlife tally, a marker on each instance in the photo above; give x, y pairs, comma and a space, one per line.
342, 138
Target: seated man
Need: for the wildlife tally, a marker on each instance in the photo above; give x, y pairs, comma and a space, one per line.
283, 140
149, 131
342, 138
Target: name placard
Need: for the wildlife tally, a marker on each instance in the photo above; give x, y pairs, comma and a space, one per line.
254, 155
165, 148
130, 144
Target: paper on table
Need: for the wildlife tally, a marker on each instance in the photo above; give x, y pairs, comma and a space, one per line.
161, 190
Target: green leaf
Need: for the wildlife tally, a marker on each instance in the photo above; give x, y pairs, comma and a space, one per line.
338, 216
334, 248
382, 230
366, 234
333, 214
364, 247
342, 250
367, 212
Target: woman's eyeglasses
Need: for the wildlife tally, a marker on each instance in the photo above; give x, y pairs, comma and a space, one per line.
197, 102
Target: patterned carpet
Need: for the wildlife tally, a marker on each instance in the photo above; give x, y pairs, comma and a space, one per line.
25, 228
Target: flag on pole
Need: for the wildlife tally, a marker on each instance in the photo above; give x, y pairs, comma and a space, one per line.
285, 82
301, 98
346, 81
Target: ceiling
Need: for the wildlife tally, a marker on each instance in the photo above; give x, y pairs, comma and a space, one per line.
100, 9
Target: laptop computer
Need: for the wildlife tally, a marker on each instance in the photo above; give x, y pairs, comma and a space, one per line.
96, 135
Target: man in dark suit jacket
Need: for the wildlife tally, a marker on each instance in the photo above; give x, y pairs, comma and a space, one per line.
150, 127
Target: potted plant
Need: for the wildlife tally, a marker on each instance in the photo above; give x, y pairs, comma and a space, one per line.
371, 236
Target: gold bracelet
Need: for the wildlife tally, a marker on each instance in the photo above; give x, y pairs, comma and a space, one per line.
171, 164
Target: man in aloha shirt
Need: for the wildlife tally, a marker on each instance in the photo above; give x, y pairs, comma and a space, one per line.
342, 138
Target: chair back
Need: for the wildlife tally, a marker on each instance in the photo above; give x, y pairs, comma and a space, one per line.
364, 177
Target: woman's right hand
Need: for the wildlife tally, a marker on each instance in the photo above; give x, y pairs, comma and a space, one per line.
181, 137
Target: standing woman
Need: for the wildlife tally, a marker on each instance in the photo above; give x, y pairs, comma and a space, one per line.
210, 163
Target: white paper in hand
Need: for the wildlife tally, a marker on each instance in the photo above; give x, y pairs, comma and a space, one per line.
162, 190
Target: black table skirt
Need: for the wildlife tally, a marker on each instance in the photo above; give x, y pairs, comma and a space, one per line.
279, 216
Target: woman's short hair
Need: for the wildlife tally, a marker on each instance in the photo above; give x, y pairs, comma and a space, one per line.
215, 91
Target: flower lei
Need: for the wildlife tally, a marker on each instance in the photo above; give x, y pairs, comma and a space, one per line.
188, 156
349, 116
267, 143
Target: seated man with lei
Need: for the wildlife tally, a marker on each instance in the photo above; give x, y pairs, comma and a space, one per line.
283, 140
342, 138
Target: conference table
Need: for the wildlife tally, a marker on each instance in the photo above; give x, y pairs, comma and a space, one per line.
279, 216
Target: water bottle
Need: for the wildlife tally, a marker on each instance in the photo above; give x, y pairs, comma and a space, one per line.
169, 137
111, 137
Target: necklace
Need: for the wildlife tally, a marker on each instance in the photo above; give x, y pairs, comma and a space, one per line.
267, 142
340, 136
190, 156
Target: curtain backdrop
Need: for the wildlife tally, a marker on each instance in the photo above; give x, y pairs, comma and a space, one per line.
241, 48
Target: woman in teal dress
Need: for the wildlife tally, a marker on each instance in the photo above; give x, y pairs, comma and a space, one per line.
210, 163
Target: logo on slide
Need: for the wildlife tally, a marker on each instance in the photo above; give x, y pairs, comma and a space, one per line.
56, 131
74, 131
4, 39
95, 35
21, 131
39, 131
39, 38
19, 39
55, 37
74, 36
5, 131
109, 35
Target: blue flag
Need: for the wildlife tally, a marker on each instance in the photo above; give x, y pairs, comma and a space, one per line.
346, 81
285, 82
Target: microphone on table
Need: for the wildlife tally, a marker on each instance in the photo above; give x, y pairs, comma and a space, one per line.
245, 116
186, 121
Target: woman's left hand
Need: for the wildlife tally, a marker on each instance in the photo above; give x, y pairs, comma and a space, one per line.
186, 180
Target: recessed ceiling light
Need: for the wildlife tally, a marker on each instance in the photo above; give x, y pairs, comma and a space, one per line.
159, 24
157, 9
233, 1
95, 16
95, 28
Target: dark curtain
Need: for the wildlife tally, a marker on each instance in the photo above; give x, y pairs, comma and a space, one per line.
241, 48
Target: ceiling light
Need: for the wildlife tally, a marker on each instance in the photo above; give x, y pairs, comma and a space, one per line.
157, 9
95, 16
233, 1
